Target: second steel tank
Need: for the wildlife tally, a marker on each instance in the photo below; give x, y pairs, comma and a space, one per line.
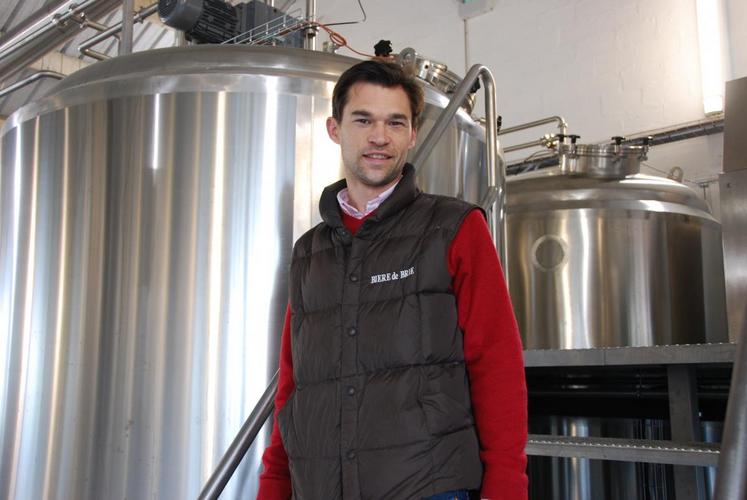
603, 256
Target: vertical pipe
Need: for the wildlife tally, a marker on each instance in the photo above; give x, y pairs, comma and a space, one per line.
125, 41
309, 42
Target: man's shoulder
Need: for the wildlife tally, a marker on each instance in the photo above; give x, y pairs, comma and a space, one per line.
447, 208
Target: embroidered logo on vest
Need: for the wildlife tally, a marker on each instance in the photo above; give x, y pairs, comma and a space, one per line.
396, 275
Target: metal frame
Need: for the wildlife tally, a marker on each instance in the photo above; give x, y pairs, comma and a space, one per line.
625, 450
731, 481
684, 451
627, 356
142, 14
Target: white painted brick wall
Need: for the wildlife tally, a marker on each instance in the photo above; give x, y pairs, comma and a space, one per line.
430, 26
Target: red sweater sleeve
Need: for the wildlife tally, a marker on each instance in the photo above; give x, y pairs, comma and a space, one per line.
275, 482
493, 353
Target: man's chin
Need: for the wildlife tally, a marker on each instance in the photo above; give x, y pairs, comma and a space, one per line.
379, 183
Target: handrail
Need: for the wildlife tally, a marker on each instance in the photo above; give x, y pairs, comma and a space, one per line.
496, 194
241, 443
731, 482
31, 79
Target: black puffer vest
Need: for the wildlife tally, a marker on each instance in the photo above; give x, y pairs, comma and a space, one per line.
381, 408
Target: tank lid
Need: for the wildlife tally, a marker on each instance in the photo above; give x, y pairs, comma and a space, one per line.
433, 72
614, 160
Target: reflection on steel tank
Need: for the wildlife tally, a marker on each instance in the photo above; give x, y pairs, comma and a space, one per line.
148, 209
603, 256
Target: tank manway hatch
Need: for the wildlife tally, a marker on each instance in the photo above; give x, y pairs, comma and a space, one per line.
216, 21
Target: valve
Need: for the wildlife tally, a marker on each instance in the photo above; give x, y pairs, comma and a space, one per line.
383, 48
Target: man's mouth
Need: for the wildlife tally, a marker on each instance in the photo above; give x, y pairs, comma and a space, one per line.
377, 156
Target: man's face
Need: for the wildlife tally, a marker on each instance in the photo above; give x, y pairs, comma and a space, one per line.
375, 133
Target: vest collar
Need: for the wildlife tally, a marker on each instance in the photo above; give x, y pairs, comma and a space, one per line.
404, 194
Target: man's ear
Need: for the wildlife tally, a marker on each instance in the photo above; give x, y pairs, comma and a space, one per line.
333, 130
413, 138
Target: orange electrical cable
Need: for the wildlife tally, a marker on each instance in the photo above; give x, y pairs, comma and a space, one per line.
340, 40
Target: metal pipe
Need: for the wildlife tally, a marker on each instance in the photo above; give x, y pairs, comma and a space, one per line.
85, 47
679, 132
731, 480
562, 125
87, 23
241, 444
44, 30
31, 79
309, 41
125, 42
658, 137
525, 145
496, 194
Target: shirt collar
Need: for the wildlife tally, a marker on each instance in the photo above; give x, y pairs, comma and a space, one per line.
343, 198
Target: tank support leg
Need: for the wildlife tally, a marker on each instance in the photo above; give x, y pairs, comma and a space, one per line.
689, 482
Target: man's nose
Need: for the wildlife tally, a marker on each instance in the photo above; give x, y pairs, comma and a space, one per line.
378, 134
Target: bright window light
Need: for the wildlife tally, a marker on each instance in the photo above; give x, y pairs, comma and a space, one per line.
713, 62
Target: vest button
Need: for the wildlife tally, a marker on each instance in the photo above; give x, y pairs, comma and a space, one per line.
352, 332
353, 278
351, 390
351, 454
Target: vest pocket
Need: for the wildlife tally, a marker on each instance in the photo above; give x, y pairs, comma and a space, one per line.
443, 414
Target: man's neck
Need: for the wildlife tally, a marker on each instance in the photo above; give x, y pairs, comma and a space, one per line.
360, 194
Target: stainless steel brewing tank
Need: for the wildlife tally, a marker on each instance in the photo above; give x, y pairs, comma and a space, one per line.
148, 209
601, 256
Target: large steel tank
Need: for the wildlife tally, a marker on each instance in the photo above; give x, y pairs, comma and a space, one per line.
148, 208
603, 256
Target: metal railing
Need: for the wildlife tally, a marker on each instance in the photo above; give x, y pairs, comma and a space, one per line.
495, 198
241, 443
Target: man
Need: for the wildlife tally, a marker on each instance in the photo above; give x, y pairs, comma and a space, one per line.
401, 373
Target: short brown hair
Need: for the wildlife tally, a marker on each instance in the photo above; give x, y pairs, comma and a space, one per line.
382, 73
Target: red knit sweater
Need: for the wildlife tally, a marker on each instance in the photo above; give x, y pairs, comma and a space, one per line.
495, 365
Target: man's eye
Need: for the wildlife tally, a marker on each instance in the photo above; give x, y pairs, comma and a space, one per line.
364, 121
397, 124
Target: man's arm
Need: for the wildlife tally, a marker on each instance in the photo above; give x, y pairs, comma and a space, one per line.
493, 354
275, 482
